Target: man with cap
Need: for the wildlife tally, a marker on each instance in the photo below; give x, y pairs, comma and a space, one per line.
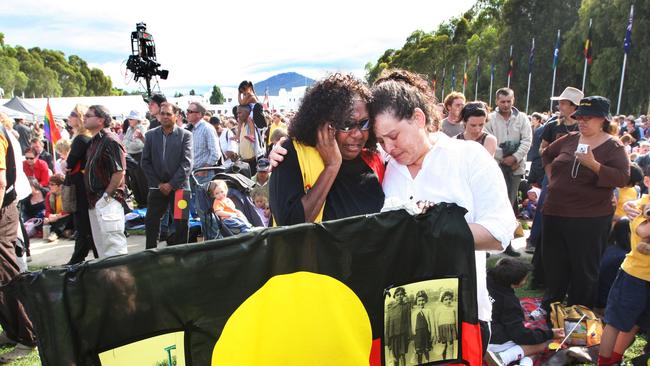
263, 175
555, 128
154, 109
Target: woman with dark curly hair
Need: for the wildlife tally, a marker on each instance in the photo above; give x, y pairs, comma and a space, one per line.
331, 169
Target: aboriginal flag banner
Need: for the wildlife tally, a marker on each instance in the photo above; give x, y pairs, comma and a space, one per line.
345, 292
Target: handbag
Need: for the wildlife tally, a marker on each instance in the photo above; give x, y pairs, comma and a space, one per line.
69, 192
587, 327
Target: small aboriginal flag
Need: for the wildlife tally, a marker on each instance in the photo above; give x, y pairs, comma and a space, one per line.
182, 204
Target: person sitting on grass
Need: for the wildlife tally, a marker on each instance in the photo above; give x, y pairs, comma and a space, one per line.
60, 222
511, 341
225, 208
628, 303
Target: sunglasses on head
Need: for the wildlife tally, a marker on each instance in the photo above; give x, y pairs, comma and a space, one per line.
363, 125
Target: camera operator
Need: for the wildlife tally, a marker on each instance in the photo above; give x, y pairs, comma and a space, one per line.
582, 169
154, 109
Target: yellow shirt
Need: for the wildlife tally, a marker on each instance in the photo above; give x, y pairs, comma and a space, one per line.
625, 194
246, 146
635, 263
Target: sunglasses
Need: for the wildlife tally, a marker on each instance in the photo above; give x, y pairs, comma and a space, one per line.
363, 125
74, 114
190, 111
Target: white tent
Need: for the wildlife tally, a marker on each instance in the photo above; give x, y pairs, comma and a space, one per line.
13, 113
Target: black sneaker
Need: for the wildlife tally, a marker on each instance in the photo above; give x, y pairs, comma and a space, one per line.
510, 251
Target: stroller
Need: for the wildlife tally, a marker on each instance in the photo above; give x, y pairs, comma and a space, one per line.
239, 187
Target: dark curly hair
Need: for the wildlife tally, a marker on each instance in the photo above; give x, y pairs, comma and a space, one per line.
400, 92
330, 100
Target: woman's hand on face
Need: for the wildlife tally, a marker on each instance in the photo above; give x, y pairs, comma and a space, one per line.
327, 146
276, 156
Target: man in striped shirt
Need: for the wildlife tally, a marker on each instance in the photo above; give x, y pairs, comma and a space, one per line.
207, 153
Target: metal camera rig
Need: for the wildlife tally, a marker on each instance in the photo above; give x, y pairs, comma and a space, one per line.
142, 62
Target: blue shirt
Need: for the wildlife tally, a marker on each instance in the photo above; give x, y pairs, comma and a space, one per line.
206, 145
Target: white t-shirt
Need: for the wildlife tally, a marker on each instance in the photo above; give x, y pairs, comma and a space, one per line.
460, 172
226, 143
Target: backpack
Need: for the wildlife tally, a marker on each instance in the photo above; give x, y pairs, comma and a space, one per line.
588, 327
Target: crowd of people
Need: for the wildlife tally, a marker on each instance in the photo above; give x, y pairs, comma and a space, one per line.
350, 149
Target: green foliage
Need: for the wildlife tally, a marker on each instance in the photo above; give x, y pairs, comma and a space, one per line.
487, 30
178, 95
216, 97
192, 92
41, 72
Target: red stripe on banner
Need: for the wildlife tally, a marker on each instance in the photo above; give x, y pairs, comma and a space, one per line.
178, 212
375, 352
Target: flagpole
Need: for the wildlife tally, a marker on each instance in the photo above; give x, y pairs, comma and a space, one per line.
509, 66
620, 90
464, 76
555, 61
442, 87
491, 80
584, 71
626, 48
530, 74
478, 62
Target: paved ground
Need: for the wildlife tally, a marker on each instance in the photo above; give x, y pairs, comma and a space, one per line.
56, 253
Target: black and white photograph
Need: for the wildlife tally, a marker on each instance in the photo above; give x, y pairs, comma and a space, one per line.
421, 323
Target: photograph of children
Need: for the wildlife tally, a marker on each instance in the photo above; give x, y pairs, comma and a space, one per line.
421, 323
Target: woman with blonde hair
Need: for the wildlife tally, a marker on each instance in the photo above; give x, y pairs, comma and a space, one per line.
76, 162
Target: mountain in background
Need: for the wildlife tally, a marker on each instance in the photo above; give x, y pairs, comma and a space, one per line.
286, 80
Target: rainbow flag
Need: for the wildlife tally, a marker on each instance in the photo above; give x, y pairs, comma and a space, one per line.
51, 131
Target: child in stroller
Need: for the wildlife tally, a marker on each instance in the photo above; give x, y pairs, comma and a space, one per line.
225, 208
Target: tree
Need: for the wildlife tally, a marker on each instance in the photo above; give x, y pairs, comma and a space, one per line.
43, 72
192, 92
216, 97
178, 95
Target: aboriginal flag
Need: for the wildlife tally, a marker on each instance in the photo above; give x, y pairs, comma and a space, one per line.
588, 46
335, 293
182, 204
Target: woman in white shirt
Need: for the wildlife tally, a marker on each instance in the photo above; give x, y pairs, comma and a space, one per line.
440, 169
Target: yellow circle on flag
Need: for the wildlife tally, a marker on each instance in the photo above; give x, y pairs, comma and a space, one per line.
182, 204
301, 319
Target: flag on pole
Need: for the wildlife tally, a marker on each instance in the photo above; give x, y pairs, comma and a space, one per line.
588, 45
492, 71
627, 44
265, 101
511, 64
453, 77
556, 52
465, 76
182, 204
49, 126
531, 57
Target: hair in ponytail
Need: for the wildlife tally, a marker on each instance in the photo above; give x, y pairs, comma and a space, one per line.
400, 92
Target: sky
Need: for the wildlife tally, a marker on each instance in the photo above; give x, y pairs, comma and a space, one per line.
205, 43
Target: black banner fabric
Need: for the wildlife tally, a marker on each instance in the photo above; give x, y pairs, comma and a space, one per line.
84, 310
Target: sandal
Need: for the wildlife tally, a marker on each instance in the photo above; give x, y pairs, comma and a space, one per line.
21, 351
